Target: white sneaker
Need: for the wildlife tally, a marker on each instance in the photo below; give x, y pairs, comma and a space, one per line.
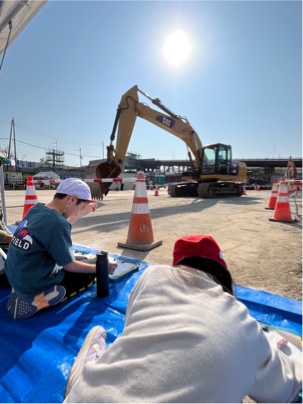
93, 347
2, 261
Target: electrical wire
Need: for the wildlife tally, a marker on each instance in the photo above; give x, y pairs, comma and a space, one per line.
45, 148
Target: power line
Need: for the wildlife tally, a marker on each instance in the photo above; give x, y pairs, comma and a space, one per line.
32, 145
44, 148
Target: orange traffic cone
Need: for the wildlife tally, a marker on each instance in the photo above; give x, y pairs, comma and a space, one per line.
244, 190
273, 196
156, 191
140, 233
282, 208
30, 196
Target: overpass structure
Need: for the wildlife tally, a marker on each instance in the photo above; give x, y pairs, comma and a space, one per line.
269, 165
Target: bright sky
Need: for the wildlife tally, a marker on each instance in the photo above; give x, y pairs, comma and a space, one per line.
239, 80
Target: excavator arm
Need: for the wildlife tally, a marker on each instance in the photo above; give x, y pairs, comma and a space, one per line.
128, 110
291, 170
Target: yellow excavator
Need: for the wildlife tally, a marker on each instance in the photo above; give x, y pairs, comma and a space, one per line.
212, 174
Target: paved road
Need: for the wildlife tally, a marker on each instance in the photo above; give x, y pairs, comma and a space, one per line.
261, 254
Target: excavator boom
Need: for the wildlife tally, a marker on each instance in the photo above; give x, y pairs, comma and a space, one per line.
128, 110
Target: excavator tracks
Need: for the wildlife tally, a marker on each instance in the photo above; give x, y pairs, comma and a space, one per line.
218, 189
188, 188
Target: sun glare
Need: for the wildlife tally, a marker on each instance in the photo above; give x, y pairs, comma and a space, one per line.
177, 48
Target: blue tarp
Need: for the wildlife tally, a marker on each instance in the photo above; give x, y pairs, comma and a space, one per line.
37, 353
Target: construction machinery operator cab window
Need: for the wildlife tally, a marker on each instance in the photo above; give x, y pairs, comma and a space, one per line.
216, 159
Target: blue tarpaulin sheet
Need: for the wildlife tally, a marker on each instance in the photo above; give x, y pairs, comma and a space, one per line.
37, 354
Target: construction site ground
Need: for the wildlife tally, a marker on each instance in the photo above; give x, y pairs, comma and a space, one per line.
260, 253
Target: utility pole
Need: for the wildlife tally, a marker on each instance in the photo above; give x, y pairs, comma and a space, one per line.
12, 137
80, 158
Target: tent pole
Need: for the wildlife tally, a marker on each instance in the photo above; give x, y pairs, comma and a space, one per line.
2, 194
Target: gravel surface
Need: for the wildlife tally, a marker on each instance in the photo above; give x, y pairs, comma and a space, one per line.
260, 253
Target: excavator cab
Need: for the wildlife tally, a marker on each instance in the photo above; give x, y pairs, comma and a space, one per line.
217, 159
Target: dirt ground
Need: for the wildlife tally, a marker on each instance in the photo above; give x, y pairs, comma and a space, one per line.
260, 254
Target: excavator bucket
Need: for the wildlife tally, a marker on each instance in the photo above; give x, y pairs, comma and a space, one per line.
107, 170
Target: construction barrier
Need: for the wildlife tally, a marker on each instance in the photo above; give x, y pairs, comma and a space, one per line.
110, 180
98, 180
140, 232
294, 186
46, 181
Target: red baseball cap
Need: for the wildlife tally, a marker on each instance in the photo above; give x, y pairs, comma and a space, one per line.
200, 245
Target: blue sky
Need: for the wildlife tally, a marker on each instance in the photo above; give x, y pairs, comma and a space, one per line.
64, 75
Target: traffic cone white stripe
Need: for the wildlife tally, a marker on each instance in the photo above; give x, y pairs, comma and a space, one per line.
31, 190
29, 202
140, 192
140, 208
283, 199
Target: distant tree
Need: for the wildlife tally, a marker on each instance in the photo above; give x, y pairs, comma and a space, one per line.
4, 151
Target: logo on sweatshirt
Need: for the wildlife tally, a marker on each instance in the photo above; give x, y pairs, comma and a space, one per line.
22, 239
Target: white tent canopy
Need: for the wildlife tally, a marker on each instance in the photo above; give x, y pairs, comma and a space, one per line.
46, 175
14, 17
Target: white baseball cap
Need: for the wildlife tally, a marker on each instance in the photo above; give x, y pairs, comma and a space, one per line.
74, 186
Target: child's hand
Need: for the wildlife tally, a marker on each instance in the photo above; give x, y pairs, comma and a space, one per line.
90, 208
111, 267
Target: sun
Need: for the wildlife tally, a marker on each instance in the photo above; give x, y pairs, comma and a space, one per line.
177, 48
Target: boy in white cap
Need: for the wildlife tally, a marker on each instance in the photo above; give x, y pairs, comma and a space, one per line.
186, 339
40, 265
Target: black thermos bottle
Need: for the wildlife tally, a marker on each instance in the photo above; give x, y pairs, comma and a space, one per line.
102, 274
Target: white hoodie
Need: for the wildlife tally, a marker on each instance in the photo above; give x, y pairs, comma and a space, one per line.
185, 340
